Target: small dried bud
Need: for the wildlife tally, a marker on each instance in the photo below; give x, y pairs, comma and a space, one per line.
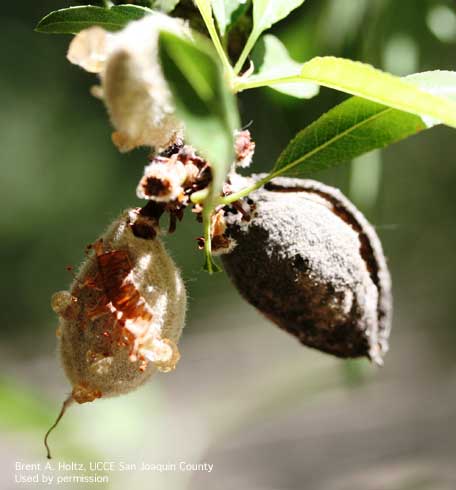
174, 175
312, 264
244, 148
123, 316
220, 242
133, 86
163, 180
169, 181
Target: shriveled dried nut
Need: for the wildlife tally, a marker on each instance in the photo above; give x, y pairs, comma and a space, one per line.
311, 263
132, 84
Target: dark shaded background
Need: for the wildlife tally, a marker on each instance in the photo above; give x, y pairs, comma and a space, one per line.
268, 413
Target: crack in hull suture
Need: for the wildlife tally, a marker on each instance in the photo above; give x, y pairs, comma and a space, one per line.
312, 264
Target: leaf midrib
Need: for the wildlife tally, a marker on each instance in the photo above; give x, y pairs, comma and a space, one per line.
51, 24
331, 141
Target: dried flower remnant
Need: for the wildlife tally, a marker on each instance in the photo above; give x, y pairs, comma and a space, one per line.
221, 243
174, 175
123, 316
311, 263
169, 181
244, 148
133, 86
178, 172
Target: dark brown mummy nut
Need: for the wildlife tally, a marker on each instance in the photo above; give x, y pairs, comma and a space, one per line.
311, 263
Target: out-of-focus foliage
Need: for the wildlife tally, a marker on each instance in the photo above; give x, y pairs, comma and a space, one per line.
203, 100
227, 12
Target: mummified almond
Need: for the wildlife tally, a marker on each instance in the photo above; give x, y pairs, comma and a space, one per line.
133, 87
311, 263
123, 316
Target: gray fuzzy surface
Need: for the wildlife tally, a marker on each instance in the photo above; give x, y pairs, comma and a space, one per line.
311, 263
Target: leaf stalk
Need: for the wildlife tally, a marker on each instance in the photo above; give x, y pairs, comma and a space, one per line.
253, 38
206, 14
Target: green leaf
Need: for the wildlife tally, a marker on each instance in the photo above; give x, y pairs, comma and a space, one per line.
268, 12
349, 130
206, 105
271, 60
203, 100
355, 127
165, 6
265, 14
226, 13
74, 19
438, 82
365, 81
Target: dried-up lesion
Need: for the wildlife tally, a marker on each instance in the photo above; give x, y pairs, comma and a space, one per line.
107, 301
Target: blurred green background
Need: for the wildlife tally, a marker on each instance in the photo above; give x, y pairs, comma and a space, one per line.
268, 413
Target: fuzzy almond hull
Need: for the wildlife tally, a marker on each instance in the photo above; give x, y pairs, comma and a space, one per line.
124, 314
311, 263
